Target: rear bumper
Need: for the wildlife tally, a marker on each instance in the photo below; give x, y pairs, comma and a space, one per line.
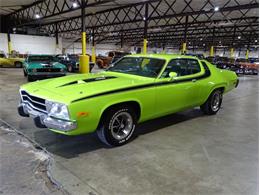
42, 120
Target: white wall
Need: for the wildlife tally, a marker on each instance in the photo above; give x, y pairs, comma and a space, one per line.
47, 45
28, 44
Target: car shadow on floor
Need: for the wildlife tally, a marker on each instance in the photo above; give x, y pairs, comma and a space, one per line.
72, 146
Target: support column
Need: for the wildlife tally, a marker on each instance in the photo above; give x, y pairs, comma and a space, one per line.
121, 41
57, 39
247, 54
164, 50
184, 44
233, 41
145, 29
248, 46
83, 59
232, 53
93, 57
211, 52
9, 44
184, 48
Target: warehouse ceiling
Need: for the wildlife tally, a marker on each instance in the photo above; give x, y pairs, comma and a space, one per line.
200, 23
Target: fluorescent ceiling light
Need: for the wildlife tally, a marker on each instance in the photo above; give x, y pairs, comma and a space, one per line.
37, 16
75, 5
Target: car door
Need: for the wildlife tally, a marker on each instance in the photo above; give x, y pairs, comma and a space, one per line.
5, 62
181, 92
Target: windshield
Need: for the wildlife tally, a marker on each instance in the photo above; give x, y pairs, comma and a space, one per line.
41, 59
147, 67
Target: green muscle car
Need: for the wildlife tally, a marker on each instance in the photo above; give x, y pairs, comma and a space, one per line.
37, 67
136, 88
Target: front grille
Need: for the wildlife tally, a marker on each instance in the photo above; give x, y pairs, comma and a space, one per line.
48, 69
33, 101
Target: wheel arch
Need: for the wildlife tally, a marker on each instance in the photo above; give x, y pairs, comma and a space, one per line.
135, 104
19, 62
221, 87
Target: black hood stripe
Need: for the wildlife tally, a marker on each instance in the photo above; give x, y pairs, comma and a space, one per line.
89, 80
205, 75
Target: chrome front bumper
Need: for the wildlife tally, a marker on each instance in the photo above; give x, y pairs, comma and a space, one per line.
42, 120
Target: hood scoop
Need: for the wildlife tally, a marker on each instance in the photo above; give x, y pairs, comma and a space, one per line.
83, 81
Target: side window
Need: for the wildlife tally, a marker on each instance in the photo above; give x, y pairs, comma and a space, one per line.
194, 66
177, 65
205, 66
182, 67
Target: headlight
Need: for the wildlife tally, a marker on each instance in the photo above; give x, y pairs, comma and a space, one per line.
57, 110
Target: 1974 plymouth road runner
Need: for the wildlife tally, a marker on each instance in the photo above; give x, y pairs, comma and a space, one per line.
137, 88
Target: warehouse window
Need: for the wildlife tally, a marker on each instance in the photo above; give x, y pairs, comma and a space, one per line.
182, 67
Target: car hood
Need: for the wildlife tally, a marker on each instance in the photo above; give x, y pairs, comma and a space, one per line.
45, 65
75, 87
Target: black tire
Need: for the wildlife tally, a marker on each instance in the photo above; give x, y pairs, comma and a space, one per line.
106, 130
24, 73
18, 64
213, 103
30, 78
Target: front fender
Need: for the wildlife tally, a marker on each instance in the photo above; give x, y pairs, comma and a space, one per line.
121, 101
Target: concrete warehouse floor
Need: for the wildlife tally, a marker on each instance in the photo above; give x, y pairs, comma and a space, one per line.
184, 153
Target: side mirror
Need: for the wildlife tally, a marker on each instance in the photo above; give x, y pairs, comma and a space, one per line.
173, 75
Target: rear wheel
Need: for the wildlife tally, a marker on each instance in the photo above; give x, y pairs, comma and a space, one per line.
117, 126
18, 64
213, 104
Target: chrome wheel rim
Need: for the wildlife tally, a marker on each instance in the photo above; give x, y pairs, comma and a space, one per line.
121, 125
215, 102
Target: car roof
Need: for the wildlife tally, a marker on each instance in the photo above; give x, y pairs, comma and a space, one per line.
163, 56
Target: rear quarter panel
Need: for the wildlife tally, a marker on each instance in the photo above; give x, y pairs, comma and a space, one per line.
218, 79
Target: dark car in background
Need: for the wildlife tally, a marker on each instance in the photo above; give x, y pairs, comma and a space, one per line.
71, 61
38, 67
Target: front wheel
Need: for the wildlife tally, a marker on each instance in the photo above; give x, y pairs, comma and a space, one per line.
24, 73
117, 126
213, 104
30, 78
